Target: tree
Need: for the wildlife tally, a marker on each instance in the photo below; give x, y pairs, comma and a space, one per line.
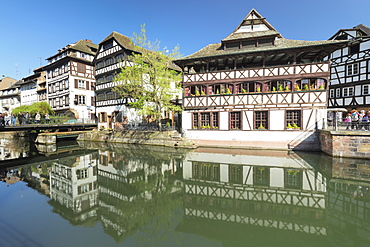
150, 78
40, 107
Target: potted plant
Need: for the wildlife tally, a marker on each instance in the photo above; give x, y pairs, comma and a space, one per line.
261, 127
295, 126
289, 126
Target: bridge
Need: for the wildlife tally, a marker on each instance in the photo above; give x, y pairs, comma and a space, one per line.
51, 127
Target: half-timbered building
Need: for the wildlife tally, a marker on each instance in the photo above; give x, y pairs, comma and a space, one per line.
256, 80
70, 80
350, 70
112, 110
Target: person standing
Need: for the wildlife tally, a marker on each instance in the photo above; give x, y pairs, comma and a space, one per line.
13, 119
37, 118
7, 119
47, 118
20, 118
27, 118
354, 119
348, 120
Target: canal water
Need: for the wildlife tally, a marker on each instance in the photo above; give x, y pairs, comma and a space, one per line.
100, 194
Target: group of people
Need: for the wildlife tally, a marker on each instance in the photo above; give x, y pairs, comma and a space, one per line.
22, 118
357, 120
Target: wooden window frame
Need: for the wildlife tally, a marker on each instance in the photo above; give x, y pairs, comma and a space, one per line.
235, 120
257, 122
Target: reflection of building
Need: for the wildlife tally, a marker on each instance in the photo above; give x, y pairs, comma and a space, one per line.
73, 187
281, 192
348, 212
131, 186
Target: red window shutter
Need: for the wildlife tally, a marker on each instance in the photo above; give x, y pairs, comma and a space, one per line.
76, 83
87, 85
92, 86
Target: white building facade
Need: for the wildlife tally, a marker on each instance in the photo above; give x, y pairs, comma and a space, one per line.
70, 81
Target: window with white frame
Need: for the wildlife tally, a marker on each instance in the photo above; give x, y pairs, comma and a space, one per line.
348, 91
365, 89
81, 84
352, 69
331, 93
337, 92
81, 99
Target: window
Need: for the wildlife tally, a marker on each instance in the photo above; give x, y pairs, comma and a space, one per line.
206, 171
354, 48
108, 45
109, 61
205, 120
235, 120
81, 84
365, 89
119, 58
100, 65
348, 91
81, 174
261, 120
261, 176
103, 117
352, 69
292, 178
331, 93
293, 119
100, 80
236, 174
337, 92
80, 100
81, 68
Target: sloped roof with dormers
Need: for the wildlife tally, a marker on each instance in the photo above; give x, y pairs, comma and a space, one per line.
254, 26
85, 46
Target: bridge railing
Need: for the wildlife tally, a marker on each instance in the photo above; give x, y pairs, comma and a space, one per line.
54, 120
339, 124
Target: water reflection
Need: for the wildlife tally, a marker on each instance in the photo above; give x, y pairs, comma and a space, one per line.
207, 197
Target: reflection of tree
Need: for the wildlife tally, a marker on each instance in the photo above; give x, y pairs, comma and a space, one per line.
148, 195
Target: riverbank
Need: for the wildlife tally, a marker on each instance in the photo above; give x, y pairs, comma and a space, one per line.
349, 144
155, 138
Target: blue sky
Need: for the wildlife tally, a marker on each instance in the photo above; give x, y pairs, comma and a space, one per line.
31, 31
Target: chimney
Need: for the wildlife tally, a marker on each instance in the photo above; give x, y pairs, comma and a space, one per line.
88, 40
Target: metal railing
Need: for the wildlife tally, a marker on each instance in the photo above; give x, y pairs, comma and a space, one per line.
338, 124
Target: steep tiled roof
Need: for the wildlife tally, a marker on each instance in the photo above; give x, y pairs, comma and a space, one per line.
85, 46
280, 44
122, 40
245, 35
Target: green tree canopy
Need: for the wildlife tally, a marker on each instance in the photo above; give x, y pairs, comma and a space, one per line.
150, 78
40, 107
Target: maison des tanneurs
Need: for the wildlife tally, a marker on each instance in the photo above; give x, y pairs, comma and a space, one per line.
256, 88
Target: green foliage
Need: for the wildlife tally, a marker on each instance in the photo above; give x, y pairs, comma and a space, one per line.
305, 87
280, 87
40, 107
150, 78
274, 89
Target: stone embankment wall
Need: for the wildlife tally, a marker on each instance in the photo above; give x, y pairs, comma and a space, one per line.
165, 138
351, 144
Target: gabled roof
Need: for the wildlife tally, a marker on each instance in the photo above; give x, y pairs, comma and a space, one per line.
252, 26
123, 40
84, 46
362, 31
